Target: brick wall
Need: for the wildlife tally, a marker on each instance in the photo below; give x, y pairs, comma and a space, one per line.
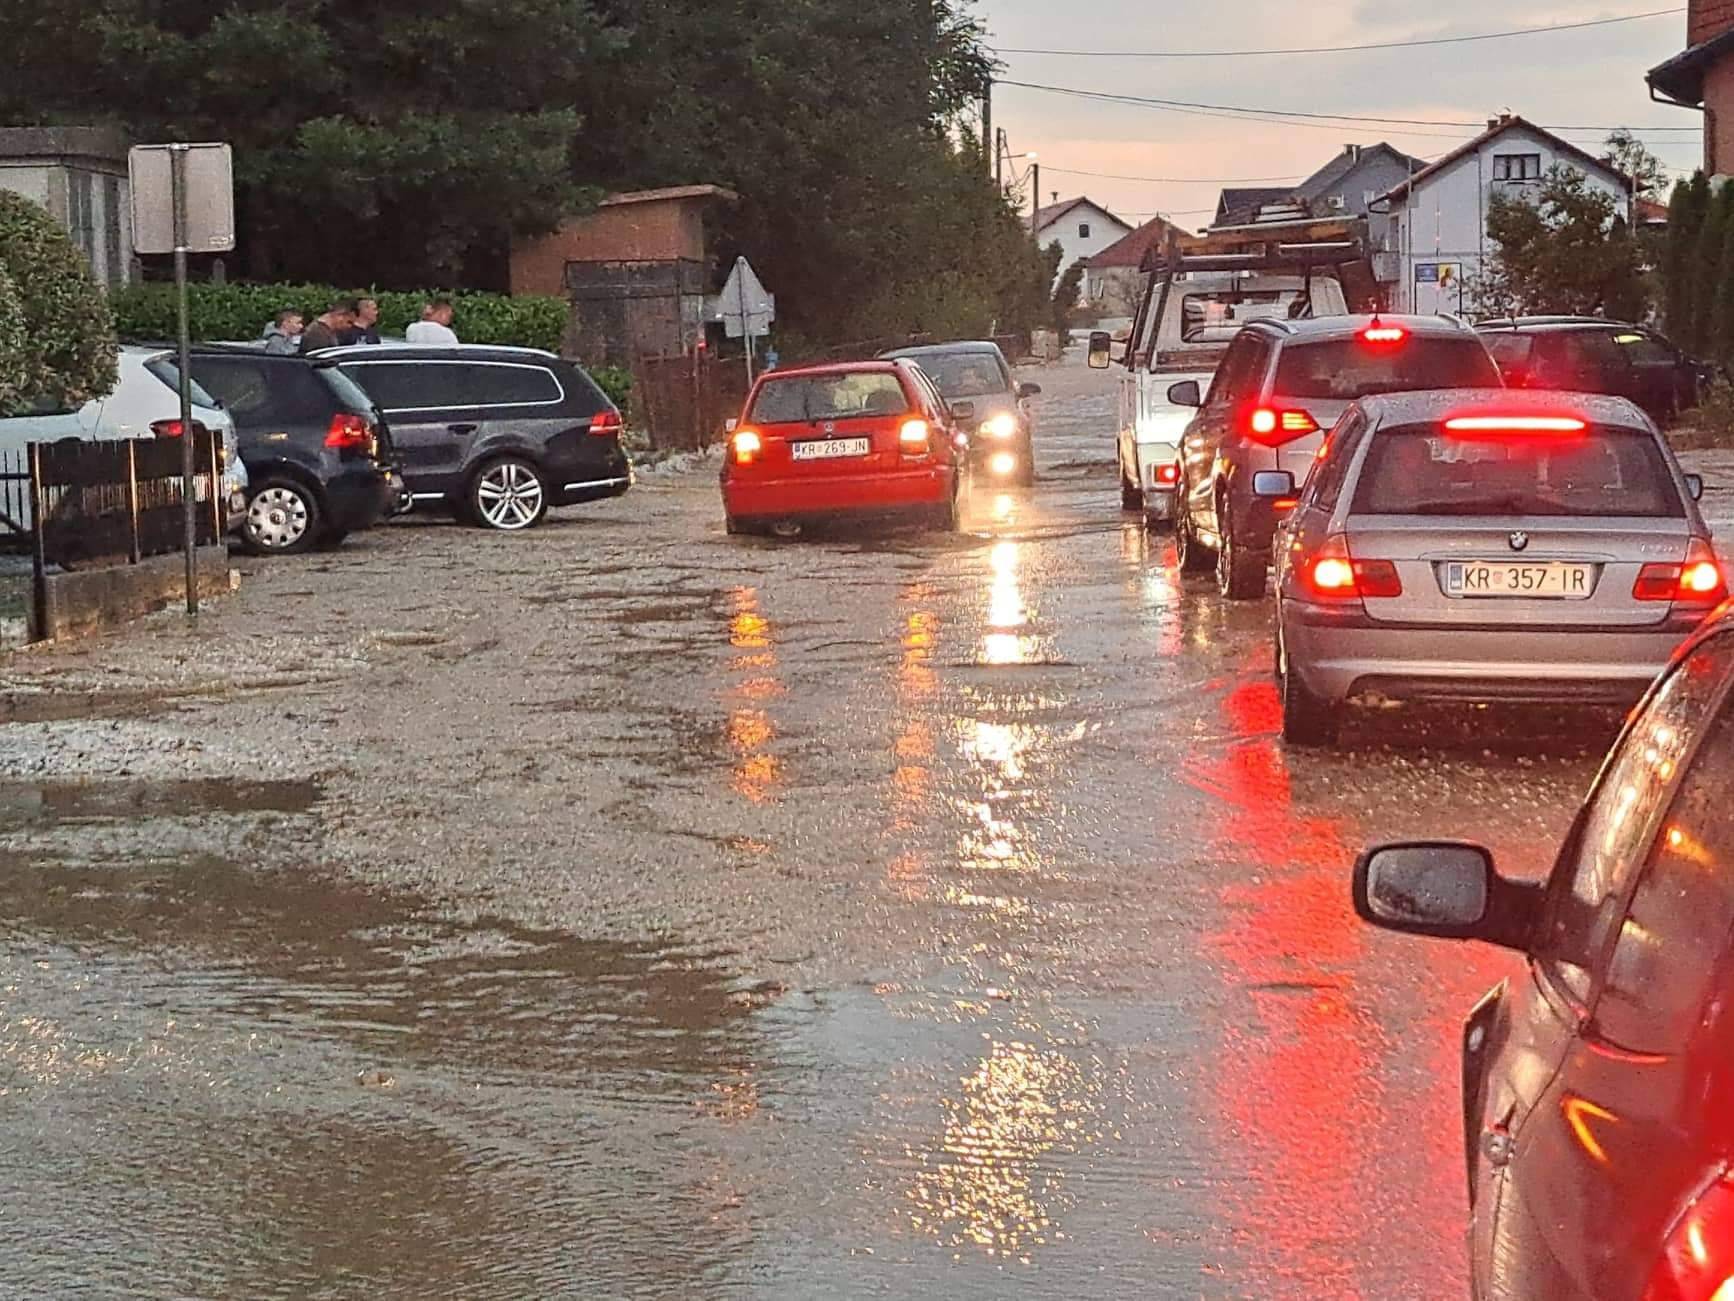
655, 231
1707, 18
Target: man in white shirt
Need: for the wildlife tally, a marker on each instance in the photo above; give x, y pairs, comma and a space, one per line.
435, 325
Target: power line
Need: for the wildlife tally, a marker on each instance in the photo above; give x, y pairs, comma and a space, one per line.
1342, 49
1174, 180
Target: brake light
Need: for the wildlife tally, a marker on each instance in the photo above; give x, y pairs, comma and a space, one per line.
745, 446
1273, 428
1698, 581
349, 432
1514, 425
1166, 475
173, 428
913, 436
1334, 574
606, 422
1697, 1260
1384, 334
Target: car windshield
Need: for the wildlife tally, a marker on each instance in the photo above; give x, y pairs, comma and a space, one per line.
842, 396
965, 374
1346, 369
1603, 472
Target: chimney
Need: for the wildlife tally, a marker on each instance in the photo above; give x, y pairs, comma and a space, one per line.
1353, 151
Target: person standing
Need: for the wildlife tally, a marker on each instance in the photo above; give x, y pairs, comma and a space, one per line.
283, 335
326, 329
435, 325
366, 327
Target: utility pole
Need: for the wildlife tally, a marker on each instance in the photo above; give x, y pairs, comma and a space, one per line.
1035, 191
999, 151
987, 134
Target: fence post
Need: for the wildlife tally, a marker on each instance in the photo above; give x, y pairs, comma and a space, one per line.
136, 552
219, 508
38, 549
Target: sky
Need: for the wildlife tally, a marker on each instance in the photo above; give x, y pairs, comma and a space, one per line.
1587, 80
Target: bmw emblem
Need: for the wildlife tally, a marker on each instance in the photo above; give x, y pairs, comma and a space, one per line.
1519, 540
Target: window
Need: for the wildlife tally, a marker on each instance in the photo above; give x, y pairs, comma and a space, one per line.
1670, 952
169, 373
1345, 369
1510, 352
257, 391
499, 386
1241, 369
1214, 315
1645, 350
843, 396
1325, 483
1591, 361
1517, 167
1586, 894
414, 385
1083, 230
966, 374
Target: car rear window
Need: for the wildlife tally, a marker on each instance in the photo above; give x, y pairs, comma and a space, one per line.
350, 395
965, 374
170, 374
1509, 350
1604, 472
260, 390
828, 397
1345, 369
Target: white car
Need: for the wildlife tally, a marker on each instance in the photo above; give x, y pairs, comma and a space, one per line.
145, 399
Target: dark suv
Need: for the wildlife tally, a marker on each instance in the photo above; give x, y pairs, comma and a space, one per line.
1587, 354
317, 457
1280, 386
497, 434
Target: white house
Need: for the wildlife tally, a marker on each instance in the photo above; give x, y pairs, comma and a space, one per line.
1081, 227
1437, 236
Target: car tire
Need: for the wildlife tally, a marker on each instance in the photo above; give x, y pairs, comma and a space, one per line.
945, 517
283, 517
508, 495
1306, 720
1239, 576
1193, 558
1131, 496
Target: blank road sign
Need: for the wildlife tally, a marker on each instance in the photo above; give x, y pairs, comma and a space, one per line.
210, 198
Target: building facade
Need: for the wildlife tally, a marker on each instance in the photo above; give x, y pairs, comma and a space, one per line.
1702, 77
79, 174
1081, 227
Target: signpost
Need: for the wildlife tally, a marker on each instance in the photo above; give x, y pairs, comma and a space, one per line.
747, 308
183, 201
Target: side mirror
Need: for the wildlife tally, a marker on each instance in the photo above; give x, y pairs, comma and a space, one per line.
1101, 352
1273, 483
1028, 390
1444, 888
729, 425
1695, 486
1185, 394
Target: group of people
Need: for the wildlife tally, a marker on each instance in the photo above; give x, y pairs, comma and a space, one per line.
353, 320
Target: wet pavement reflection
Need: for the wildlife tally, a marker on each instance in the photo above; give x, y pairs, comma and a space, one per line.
876, 914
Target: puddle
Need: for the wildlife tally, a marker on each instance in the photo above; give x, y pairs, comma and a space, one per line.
101, 801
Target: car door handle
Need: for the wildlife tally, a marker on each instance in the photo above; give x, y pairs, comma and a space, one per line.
461, 429
1497, 1145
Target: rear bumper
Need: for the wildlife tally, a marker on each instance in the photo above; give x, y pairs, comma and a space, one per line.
1341, 654
885, 492
358, 498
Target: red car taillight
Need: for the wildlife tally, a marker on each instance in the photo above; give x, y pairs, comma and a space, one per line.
1166, 476
912, 437
1697, 1261
1273, 428
1333, 574
744, 446
173, 428
607, 422
349, 432
1697, 581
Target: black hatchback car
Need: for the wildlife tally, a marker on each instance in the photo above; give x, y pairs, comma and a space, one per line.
1598, 1087
497, 434
317, 458
1588, 354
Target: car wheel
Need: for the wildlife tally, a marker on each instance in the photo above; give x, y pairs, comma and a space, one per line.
1131, 497
509, 495
1306, 719
945, 516
1239, 577
1193, 558
282, 518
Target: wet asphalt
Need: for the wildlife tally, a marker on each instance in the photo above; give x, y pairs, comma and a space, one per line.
630, 910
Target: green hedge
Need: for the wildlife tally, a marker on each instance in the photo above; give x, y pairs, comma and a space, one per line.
237, 312
56, 336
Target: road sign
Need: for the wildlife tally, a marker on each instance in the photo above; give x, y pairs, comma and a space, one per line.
208, 172
746, 306
1426, 273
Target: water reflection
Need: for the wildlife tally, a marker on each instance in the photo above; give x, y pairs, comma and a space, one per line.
757, 771
1007, 641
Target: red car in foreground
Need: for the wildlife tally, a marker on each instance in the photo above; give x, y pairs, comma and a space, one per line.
857, 439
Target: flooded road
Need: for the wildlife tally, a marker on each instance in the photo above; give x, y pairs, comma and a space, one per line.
629, 910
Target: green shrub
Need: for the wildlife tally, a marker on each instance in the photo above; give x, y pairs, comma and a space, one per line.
616, 382
56, 334
237, 312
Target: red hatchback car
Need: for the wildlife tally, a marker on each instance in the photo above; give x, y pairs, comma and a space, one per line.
863, 438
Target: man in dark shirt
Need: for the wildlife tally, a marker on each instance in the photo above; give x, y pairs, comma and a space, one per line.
366, 327
326, 330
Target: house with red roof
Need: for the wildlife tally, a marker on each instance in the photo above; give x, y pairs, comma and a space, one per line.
1113, 280
1081, 227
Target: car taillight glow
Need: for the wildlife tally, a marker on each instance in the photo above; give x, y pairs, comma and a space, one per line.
1384, 334
606, 422
913, 435
173, 428
1166, 476
1335, 574
1699, 580
1272, 427
745, 445
1697, 1260
1514, 425
349, 431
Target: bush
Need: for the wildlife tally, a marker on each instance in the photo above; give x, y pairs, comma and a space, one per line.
56, 334
616, 382
237, 312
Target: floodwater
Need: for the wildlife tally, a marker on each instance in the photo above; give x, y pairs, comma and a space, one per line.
629, 910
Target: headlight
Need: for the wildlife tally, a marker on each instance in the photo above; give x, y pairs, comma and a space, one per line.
1002, 463
1004, 425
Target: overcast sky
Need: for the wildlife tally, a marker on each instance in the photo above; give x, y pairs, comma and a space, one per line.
1589, 78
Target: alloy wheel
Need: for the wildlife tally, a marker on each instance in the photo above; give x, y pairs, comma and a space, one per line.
509, 496
277, 518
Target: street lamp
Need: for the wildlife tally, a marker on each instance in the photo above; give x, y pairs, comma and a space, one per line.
1035, 190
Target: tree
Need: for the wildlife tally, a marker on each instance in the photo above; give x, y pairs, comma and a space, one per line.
1066, 291
1568, 251
56, 335
1626, 153
1707, 271
1686, 212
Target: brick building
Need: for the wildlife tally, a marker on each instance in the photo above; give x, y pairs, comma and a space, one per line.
1702, 76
